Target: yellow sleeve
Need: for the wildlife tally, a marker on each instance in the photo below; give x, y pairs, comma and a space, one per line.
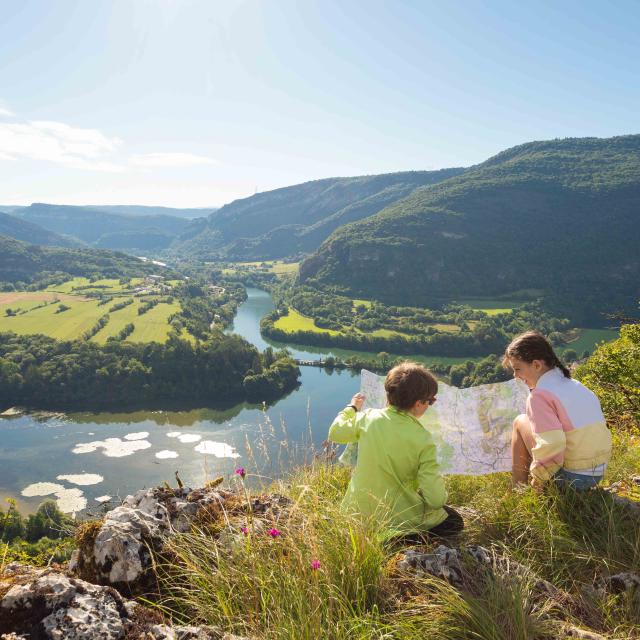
344, 428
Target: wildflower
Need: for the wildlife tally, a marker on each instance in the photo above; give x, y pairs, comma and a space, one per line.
274, 533
315, 564
240, 471
244, 530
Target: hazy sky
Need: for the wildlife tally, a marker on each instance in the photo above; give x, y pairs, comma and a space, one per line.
195, 103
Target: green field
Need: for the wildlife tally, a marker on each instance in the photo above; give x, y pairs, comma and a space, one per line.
80, 285
295, 321
266, 266
83, 313
153, 326
70, 324
589, 338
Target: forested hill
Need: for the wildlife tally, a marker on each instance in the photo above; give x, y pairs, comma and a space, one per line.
561, 216
105, 229
26, 263
28, 232
297, 219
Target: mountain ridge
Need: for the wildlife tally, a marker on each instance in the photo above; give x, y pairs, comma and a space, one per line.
546, 214
295, 219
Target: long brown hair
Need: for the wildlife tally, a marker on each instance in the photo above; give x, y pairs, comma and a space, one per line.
532, 346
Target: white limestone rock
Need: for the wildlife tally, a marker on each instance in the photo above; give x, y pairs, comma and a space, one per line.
122, 549
45, 603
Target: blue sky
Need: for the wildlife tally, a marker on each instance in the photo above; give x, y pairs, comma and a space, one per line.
196, 103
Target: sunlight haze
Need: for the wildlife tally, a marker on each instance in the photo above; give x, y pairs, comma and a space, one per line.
194, 104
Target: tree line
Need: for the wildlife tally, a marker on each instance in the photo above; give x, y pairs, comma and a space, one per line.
39, 372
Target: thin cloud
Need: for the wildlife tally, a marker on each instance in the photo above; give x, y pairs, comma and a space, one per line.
6, 113
153, 160
59, 143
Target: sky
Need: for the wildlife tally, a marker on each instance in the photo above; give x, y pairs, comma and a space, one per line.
194, 103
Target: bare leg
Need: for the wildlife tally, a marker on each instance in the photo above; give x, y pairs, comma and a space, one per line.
521, 443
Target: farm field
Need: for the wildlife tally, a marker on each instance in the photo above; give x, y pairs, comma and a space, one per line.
590, 338
268, 266
67, 325
38, 312
153, 326
491, 307
295, 321
104, 286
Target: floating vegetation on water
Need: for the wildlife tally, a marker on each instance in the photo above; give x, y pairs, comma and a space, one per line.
71, 500
140, 435
82, 479
41, 489
189, 437
68, 500
112, 447
217, 449
165, 453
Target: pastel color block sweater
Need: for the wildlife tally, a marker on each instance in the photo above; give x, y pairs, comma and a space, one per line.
568, 425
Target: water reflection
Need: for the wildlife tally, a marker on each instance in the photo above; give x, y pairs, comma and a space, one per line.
266, 440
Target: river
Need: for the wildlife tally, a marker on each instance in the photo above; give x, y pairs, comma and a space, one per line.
121, 452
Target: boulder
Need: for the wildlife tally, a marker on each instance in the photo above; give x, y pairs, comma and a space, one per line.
119, 553
45, 604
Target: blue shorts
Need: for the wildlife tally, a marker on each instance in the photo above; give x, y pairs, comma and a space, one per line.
577, 481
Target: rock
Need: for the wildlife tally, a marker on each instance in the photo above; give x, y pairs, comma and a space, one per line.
121, 551
163, 632
442, 563
449, 564
618, 583
632, 505
583, 634
46, 604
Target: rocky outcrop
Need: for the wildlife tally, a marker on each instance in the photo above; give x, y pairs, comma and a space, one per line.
120, 550
39, 604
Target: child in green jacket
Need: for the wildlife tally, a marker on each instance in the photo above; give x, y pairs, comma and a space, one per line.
397, 474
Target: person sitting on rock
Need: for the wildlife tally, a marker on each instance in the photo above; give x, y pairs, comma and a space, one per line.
397, 476
563, 435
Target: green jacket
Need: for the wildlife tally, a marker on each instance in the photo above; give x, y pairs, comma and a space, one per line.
397, 474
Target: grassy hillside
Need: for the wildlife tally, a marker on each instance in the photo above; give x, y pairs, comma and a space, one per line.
296, 219
558, 216
312, 571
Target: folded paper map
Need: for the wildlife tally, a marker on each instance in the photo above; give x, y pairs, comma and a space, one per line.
471, 427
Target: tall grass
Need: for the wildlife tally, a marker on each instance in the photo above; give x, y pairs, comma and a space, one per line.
327, 575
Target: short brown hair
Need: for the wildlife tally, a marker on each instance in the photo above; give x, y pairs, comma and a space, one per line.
409, 382
531, 346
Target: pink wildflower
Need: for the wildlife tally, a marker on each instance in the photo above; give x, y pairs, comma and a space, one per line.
244, 530
315, 564
240, 471
274, 533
